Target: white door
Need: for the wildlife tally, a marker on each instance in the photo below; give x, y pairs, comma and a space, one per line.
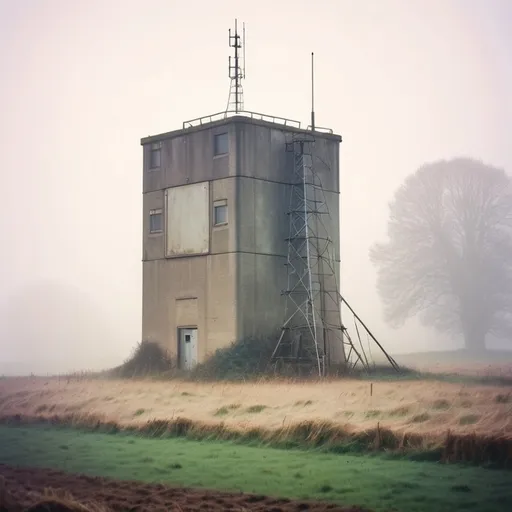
188, 348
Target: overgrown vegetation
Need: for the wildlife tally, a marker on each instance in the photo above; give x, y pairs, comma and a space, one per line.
148, 359
242, 360
249, 359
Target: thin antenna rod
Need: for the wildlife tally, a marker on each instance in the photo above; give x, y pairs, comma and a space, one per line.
312, 92
237, 79
243, 48
236, 72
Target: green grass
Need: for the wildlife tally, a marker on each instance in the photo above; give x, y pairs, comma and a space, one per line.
374, 482
254, 409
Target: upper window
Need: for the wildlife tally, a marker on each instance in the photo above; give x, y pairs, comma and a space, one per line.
155, 155
220, 144
220, 212
156, 221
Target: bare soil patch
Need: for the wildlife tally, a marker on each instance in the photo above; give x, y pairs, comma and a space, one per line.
23, 489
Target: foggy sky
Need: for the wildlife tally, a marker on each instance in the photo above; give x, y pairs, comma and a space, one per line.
403, 81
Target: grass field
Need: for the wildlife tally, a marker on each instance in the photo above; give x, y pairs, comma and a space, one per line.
494, 363
338, 417
374, 482
424, 407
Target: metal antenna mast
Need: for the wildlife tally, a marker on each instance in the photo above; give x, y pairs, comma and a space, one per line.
236, 71
313, 334
312, 92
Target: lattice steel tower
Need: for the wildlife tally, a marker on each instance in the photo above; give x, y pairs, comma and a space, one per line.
313, 333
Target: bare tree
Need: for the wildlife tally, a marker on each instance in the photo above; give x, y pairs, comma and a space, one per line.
449, 254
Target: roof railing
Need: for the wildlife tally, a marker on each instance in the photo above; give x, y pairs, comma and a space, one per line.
320, 129
231, 113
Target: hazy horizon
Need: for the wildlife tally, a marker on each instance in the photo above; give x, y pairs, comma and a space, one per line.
403, 82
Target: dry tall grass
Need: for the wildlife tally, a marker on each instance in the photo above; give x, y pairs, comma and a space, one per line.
423, 407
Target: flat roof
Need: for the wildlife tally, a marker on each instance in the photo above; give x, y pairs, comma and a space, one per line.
223, 118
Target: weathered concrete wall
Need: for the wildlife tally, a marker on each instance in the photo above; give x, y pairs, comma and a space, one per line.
210, 281
224, 238
261, 279
262, 221
261, 152
188, 157
261, 234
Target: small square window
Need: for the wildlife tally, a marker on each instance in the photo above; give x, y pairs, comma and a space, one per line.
156, 221
155, 155
220, 212
220, 144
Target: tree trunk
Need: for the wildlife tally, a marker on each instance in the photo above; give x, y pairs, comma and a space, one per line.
474, 336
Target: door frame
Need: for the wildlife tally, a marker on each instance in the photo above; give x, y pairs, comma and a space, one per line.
178, 338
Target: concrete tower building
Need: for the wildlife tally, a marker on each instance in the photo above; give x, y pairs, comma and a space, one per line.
216, 229
241, 234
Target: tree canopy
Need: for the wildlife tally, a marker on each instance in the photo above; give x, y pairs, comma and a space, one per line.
448, 258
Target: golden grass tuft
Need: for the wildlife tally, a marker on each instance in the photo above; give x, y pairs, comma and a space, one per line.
477, 449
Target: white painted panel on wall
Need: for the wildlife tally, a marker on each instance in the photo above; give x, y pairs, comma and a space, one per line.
188, 220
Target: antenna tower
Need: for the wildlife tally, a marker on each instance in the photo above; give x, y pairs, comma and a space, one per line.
313, 335
236, 70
